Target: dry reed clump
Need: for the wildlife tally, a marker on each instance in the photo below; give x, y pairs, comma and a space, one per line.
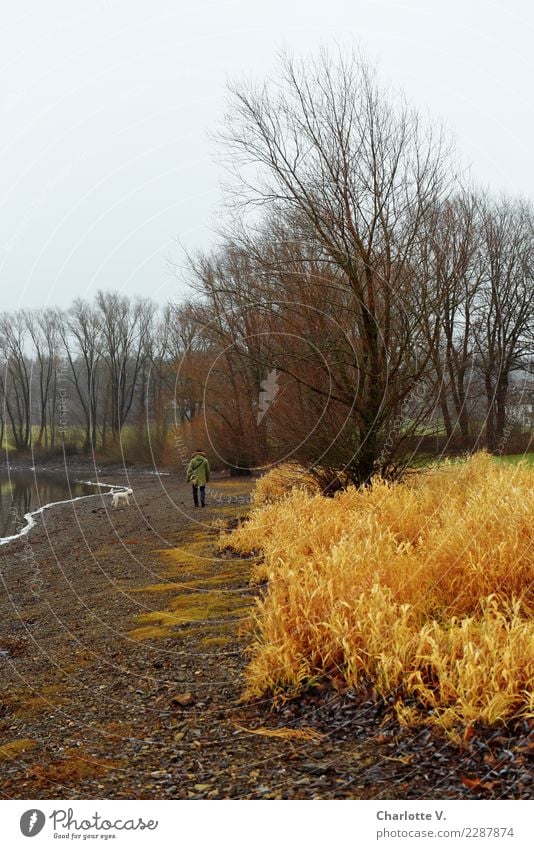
281, 480
420, 588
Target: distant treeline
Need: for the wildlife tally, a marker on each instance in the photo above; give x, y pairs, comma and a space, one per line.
75, 378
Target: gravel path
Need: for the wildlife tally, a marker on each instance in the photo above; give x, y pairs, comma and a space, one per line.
122, 646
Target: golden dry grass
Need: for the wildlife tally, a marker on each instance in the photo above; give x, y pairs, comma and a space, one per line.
309, 734
282, 479
422, 589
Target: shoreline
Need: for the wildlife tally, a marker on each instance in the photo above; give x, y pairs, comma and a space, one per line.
80, 468
29, 518
138, 472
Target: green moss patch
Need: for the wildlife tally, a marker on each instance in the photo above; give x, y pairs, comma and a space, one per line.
16, 747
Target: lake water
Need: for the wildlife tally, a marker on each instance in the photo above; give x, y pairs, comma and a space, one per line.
22, 491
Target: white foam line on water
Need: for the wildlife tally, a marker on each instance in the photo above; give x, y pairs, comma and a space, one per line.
93, 483
29, 517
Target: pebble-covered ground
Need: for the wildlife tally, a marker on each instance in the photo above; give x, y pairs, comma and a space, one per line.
123, 641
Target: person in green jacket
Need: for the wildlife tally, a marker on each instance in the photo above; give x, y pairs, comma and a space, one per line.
198, 474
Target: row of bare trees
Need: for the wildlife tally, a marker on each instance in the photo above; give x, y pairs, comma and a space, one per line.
76, 377
387, 298
451, 351
79, 375
276, 316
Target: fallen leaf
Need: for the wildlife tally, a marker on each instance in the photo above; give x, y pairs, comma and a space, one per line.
183, 699
477, 784
381, 738
469, 733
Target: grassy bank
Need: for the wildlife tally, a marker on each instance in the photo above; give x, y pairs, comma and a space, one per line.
517, 458
418, 590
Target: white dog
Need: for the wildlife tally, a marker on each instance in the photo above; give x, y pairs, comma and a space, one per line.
121, 497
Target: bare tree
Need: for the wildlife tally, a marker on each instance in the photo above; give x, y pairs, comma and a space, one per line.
2, 404
42, 329
337, 164
17, 377
506, 305
80, 332
455, 268
126, 328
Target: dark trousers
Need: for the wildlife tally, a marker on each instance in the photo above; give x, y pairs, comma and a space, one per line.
202, 495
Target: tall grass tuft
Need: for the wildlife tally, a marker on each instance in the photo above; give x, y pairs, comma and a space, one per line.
420, 589
281, 480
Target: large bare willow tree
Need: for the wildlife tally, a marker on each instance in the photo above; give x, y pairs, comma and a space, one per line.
336, 163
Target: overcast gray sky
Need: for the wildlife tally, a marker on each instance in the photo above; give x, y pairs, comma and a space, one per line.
106, 106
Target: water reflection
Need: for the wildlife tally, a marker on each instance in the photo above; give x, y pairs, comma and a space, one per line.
22, 492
